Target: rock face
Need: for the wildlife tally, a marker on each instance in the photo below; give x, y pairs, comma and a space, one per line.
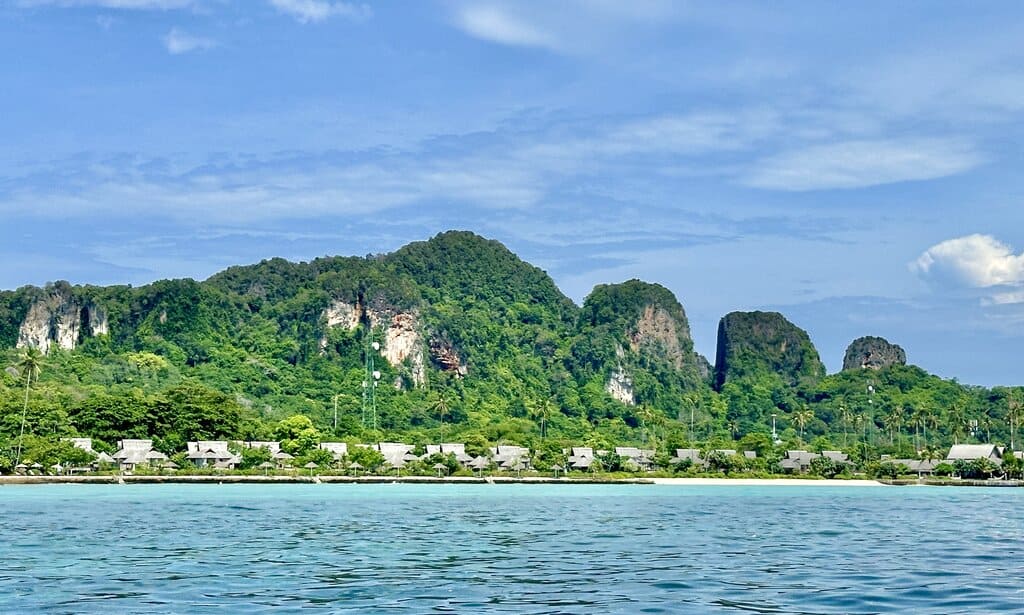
444, 356
58, 319
620, 387
872, 353
756, 342
402, 340
636, 328
658, 330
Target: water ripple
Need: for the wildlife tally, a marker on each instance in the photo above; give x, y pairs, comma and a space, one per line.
509, 549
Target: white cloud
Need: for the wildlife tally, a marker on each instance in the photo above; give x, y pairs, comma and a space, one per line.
178, 42
306, 11
495, 24
863, 163
974, 261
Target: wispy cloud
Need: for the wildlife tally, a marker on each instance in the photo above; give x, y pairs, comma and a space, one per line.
178, 42
494, 23
863, 163
312, 11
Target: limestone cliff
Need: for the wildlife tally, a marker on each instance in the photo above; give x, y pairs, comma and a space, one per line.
872, 353
636, 330
58, 319
401, 341
752, 343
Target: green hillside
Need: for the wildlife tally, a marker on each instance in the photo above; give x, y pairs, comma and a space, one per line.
477, 346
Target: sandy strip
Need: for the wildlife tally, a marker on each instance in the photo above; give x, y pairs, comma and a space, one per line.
772, 482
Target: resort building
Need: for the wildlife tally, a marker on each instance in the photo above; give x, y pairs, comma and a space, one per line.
212, 453
636, 458
273, 447
511, 457
797, 461
395, 453
688, 454
338, 449
970, 452
449, 448
133, 453
580, 458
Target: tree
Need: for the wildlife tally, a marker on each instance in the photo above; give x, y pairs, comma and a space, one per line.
30, 364
801, 418
1014, 413
957, 421
297, 434
440, 406
846, 416
893, 421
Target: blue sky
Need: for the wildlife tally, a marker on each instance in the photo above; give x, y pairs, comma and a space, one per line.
855, 166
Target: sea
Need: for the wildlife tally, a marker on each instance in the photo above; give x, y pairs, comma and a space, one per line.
403, 548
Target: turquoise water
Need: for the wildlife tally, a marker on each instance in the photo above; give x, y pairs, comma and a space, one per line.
509, 548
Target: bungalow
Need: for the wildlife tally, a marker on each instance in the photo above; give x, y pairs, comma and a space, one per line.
338, 449
970, 452
394, 453
916, 466
688, 454
508, 456
580, 458
212, 453
836, 456
636, 458
449, 448
273, 447
797, 461
132, 453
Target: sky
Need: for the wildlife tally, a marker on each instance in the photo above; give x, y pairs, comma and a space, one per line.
855, 166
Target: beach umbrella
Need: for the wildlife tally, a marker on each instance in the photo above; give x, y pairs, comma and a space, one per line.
556, 469
355, 466
170, 465
266, 465
440, 467
20, 468
56, 468
311, 466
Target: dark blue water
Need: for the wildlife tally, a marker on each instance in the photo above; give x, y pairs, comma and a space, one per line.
510, 548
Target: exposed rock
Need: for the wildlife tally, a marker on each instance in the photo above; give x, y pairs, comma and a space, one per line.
443, 354
657, 329
620, 387
872, 353
342, 314
58, 319
756, 342
402, 341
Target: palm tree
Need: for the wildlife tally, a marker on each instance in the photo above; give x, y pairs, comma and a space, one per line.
919, 417
440, 406
734, 428
802, 417
893, 421
846, 415
957, 420
30, 363
1014, 412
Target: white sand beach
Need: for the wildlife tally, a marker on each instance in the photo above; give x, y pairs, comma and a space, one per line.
771, 482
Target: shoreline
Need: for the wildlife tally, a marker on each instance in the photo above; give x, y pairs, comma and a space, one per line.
449, 480
495, 480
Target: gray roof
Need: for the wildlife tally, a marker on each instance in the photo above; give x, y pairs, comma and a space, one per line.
133, 451
692, 454
974, 451
273, 447
338, 449
214, 450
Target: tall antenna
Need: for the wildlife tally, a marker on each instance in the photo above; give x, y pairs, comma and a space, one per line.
370, 378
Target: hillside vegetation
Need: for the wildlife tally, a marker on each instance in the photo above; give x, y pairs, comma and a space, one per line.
491, 351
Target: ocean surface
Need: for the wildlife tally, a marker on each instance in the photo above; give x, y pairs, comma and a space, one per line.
509, 549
